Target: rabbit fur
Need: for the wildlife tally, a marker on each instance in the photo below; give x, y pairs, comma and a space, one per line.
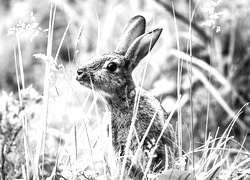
110, 74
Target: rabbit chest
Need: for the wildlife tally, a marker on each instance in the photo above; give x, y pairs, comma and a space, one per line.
148, 110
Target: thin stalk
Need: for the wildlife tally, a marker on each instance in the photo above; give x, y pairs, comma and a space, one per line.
98, 40
208, 94
24, 118
75, 138
190, 79
17, 76
24, 173
179, 73
60, 45
20, 62
46, 87
191, 16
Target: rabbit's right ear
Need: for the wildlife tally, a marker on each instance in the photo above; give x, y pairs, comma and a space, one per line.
133, 29
141, 47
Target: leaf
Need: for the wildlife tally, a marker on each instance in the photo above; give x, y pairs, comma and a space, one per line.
174, 174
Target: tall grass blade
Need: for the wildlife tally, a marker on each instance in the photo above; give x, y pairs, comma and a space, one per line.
179, 74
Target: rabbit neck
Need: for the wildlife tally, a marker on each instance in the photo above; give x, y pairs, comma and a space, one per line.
122, 101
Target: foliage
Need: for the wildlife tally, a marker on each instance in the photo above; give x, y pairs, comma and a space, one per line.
214, 84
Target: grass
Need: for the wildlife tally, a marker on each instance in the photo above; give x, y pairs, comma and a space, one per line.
80, 148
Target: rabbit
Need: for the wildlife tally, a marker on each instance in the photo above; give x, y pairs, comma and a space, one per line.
110, 74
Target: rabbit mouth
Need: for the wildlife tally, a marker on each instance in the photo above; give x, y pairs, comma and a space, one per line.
79, 79
83, 78
85, 81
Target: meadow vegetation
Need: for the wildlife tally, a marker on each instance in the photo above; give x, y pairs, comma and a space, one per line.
51, 127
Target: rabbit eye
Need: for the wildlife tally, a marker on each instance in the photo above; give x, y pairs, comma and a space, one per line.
112, 67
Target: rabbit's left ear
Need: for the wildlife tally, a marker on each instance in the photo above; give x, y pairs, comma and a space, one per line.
132, 30
141, 47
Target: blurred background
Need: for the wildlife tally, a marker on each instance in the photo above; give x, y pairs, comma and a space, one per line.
213, 90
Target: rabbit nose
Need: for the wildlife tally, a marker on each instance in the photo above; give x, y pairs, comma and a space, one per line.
79, 72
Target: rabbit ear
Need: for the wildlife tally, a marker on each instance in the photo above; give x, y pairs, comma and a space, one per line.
141, 47
133, 29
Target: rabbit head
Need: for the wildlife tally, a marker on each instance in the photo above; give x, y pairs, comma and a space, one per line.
110, 73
